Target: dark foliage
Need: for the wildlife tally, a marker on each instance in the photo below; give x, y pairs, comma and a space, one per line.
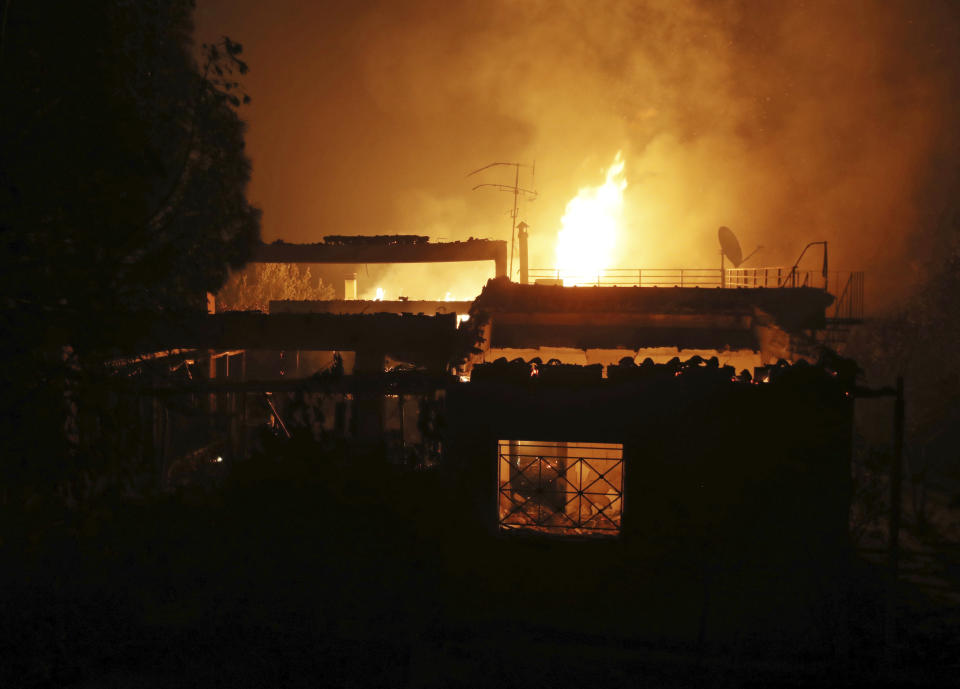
123, 165
122, 188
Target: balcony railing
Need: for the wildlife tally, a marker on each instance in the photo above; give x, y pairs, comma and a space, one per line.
635, 277
845, 286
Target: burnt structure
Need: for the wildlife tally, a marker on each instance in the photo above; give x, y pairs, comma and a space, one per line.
774, 442
684, 497
675, 496
593, 437
775, 322
302, 338
378, 250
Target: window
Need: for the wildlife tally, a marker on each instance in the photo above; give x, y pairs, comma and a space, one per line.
561, 487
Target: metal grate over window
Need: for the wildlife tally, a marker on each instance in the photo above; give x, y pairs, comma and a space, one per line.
561, 487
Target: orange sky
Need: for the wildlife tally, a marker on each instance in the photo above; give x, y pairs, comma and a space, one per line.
788, 122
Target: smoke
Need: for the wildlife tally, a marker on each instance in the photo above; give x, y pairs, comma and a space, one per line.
788, 122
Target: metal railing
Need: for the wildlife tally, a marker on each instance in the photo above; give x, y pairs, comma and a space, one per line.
765, 277
846, 286
634, 277
848, 306
786, 277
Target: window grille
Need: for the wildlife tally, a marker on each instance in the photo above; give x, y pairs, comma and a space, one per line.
561, 487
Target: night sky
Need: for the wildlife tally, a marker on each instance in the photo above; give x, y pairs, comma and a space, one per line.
788, 122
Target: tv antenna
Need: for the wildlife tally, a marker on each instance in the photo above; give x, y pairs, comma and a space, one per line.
730, 248
516, 190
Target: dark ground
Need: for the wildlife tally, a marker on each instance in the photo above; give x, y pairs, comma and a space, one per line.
303, 573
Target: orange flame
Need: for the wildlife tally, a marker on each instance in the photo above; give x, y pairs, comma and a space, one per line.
590, 225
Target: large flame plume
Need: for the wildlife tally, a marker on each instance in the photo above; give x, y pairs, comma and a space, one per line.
590, 226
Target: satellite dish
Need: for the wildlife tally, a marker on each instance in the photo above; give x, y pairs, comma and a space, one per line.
730, 246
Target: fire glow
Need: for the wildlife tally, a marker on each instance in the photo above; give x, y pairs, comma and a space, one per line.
590, 225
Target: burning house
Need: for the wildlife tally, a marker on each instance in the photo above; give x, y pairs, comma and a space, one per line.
525, 362
541, 391
600, 324
684, 426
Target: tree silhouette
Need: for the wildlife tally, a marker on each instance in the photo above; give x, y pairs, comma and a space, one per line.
123, 165
122, 189
254, 287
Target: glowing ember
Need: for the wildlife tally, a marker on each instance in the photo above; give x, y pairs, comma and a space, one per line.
589, 233
447, 297
379, 296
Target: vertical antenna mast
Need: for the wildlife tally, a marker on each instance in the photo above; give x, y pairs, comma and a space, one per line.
516, 189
